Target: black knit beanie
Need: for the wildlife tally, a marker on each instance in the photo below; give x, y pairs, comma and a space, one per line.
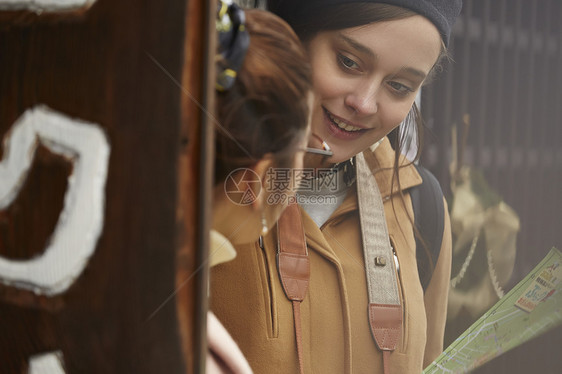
442, 13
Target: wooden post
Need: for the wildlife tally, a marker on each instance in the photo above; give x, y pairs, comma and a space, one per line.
104, 172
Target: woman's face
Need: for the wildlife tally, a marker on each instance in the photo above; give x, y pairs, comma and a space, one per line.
366, 79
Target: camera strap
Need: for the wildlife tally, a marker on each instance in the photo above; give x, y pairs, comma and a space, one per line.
385, 309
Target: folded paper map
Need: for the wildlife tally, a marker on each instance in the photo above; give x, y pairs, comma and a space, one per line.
531, 308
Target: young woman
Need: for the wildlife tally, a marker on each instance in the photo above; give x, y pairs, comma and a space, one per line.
363, 308
263, 104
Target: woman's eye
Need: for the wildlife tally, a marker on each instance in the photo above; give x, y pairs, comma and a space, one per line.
400, 88
347, 62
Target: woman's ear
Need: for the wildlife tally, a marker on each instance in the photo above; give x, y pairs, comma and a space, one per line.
263, 168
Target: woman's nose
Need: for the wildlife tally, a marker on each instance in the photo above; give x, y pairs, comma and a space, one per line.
363, 100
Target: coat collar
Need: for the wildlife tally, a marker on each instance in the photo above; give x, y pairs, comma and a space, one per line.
221, 249
381, 163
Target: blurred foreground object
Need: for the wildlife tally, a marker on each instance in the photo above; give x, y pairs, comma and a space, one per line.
101, 180
484, 232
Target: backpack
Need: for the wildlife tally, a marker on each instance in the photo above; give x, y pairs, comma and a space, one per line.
429, 218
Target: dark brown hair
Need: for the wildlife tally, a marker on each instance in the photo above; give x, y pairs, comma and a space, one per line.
266, 110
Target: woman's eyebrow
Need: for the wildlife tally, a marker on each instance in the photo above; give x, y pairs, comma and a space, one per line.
418, 73
356, 45
369, 52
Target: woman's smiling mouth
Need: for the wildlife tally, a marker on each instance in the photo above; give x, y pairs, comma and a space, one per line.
341, 129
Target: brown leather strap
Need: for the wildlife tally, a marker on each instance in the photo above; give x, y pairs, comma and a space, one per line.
294, 266
386, 325
292, 256
385, 360
291, 223
386, 328
298, 333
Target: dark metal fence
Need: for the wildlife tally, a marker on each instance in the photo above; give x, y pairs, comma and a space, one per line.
507, 77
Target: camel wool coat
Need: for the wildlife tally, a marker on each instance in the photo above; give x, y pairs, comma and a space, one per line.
247, 295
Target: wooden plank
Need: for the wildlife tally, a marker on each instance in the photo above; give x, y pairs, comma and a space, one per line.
120, 314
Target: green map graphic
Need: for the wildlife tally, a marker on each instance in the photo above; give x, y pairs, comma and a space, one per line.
531, 308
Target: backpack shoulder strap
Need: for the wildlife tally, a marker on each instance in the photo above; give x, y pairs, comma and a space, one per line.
293, 265
429, 218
